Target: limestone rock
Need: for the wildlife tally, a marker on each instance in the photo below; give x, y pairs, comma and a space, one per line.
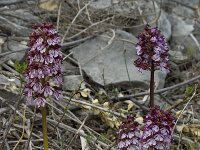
73, 82
104, 61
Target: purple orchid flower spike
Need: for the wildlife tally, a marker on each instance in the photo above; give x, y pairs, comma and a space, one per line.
43, 73
152, 50
129, 135
158, 128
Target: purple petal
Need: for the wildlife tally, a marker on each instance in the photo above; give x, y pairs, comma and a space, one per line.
40, 102
53, 53
155, 128
48, 59
164, 131
159, 146
148, 123
37, 87
40, 73
57, 94
139, 50
123, 136
121, 144
127, 143
158, 137
151, 142
130, 135
48, 91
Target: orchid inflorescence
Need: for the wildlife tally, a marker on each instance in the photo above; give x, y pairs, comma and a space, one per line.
157, 132
43, 73
152, 50
129, 135
158, 127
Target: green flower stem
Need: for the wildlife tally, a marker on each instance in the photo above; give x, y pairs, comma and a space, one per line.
44, 127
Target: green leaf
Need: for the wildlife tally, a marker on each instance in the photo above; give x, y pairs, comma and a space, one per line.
189, 90
20, 67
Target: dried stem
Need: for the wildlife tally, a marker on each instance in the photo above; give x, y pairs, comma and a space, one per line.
116, 99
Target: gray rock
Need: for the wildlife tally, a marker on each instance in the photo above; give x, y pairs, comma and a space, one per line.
163, 22
101, 4
7, 83
10, 2
127, 9
10, 27
164, 25
183, 3
184, 12
177, 56
73, 82
179, 26
2, 40
22, 16
184, 49
3, 81
104, 62
13, 45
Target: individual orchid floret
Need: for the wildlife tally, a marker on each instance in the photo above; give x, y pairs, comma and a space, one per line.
128, 135
158, 128
152, 50
43, 73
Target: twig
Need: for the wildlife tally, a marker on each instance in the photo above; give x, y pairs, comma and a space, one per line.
94, 24
35, 140
88, 15
180, 3
58, 18
9, 74
23, 129
10, 69
195, 40
11, 119
72, 130
119, 39
116, 99
7, 53
66, 107
77, 132
63, 45
97, 107
125, 61
84, 142
73, 22
184, 108
31, 130
4, 109
67, 55
7, 25
89, 130
10, 2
